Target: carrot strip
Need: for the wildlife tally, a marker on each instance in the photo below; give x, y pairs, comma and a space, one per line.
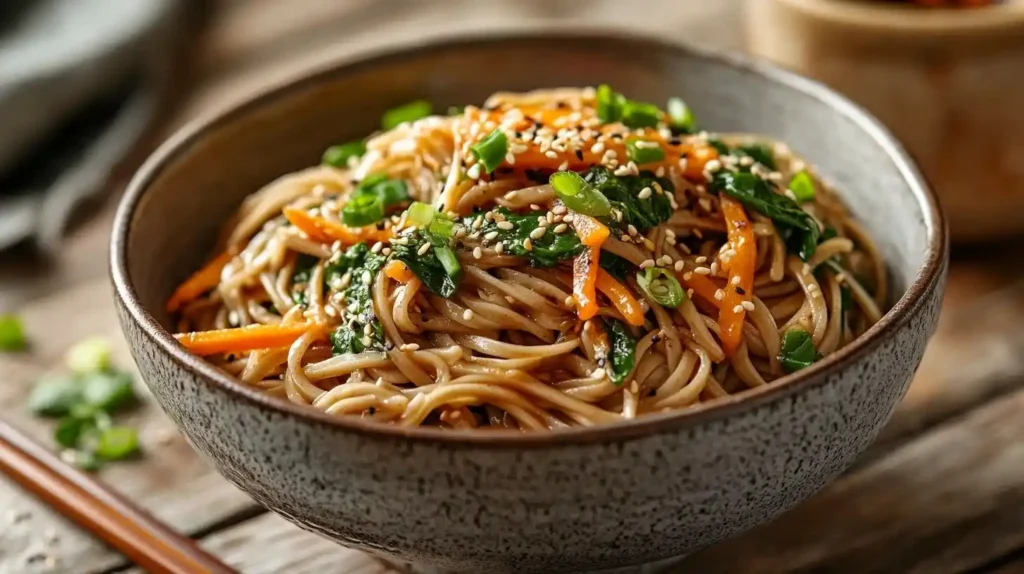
741, 274
591, 232
584, 282
620, 297
702, 286
200, 282
327, 231
398, 271
243, 339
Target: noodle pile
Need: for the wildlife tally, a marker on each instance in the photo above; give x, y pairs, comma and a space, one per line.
511, 301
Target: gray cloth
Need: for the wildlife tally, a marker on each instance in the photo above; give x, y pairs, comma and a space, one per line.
79, 81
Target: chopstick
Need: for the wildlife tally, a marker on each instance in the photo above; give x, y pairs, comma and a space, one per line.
137, 534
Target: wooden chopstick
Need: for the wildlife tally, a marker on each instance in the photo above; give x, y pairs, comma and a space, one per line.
137, 534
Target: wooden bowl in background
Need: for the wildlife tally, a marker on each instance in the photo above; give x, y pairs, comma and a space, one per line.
948, 82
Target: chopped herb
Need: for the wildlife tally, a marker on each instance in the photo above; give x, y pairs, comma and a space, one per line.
609, 104
661, 286
622, 353
491, 150
406, 113
89, 355
578, 195
54, 395
339, 155
642, 155
437, 268
108, 391
12, 334
680, 116
640, 114
757, 194
618, 267
424, 216
363, 266
802, 187
760, 153
117, 442
373, 198
547, 251
623, 194
363, 209
797, 351
304, 265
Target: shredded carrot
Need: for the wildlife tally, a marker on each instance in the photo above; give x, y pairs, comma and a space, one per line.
741, 274
620, 297
584, 282
200, 282
243, 339
327, 231
701, 286
398, 271
556, 118
591, 232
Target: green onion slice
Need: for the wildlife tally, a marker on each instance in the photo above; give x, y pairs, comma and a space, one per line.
449, 261
491, 150
797, 350
640, 153
420, 214
661, 286
424, 216
578, 195
609, 104
406, 113
363, 209
802, 187
640, 114
117, 442
680, 116
12, 335
339, 155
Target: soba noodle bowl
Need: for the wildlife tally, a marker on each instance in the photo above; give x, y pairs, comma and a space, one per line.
554, 258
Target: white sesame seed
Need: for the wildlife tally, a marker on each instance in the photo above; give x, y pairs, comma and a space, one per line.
478, 222
719, 294
491, 236
737, 309
330, 311
680, 265
559, 210
735, 280
687, 276
648, 244
499, 248
567, 218
621, 171
345, 280
714, 268
377, 247
474, 171
563, 166
644, 193
702, 271
597, 148
510, 159
625, 238
538, 233
598, 373
561, 228
409, 347
367, 341
367, 279
477, 252
367, 329
701, 259
660, 172
423, 249
506, 225
631, 229
666, 260
336, 246
527, 244
646, 263
569, 301
748, 305
551, 154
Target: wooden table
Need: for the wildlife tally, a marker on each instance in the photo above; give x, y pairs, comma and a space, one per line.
941, 491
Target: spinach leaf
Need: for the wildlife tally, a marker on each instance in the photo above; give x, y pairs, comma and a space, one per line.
757, 194
53, 396
304, 265
618, 267
761, 153
350, 336
427, 267
623, 193
108, 391
622, 354
389, 193
797, 351
547, 251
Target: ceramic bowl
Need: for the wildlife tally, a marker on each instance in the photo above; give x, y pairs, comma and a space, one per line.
946, 81
582, 499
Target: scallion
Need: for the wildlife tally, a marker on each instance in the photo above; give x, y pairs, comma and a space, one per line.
12, 335
640, 114
797, 351
578, 195
406, 113
644, 151
491, 150
441, 227
609, 104
88, 356
363, 209
661, 286
449, 261
802, 187
420, 214
680, 116
339, 155
117, 442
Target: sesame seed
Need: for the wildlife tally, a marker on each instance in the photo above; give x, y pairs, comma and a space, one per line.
680, 265
423, 249
660, 172
648, 244
646, 263
345, 280
563, 166
467, 315
561, 228
644, 193
330, 310
632, 230
559, 210
367, 341
735, 280
499, 248
534, 207
714, 268
527, 244
409, 347
474, 235
719, 294
474, 171
702, 271
549, 217
367, 279
625, 238
597, 148
737, 309
598, 373
336, 246
377, 247
510, 159
477, 252
749, 306
621, 171
567, 218
367, 329
687, 276
538, 233
478, 222
551, 154
506, 225
491, 236
666, 260
569, 301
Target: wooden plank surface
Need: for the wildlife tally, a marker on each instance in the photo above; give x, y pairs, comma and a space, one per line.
940, 492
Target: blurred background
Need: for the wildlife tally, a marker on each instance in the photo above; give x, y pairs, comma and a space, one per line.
88, 88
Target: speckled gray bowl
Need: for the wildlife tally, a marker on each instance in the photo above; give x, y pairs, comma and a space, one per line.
589, 499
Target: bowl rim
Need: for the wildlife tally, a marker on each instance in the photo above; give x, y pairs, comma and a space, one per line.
900, 18
656, 423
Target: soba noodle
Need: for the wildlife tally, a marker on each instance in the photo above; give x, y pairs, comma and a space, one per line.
515, 299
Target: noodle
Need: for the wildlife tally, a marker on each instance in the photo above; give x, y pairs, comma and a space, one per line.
684, 267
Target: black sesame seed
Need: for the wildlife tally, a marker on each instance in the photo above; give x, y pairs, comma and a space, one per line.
616, 136
656, 339
371, 410
562, 105
741, 290
579, 154
652, 392
675, 141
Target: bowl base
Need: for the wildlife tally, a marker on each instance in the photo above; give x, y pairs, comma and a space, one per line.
648, 568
